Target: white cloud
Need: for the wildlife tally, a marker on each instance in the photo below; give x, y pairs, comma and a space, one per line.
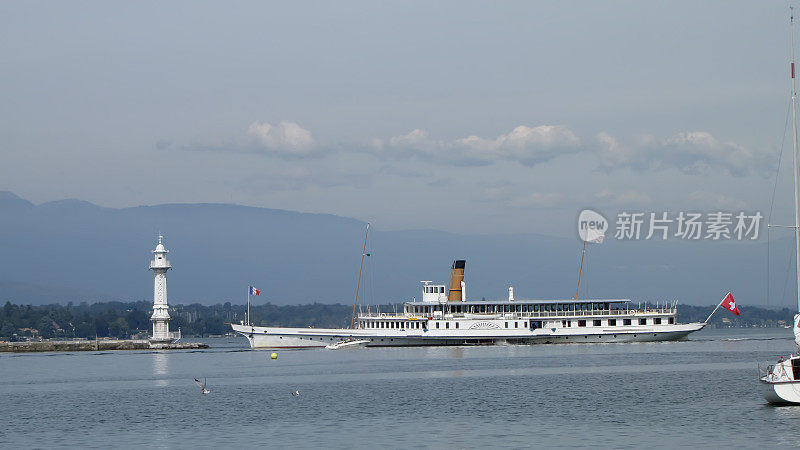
415, 138
612, 154
285, 138
526, 145
695, 152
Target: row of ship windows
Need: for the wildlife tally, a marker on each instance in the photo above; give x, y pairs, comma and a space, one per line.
331, 339
599, 336
595, 323
613, 322
519, 308
402, 325
392, 324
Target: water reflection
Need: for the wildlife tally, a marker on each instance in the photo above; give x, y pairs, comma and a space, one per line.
457, 353
160, 368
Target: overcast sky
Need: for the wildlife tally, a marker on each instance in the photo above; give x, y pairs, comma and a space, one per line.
474, 117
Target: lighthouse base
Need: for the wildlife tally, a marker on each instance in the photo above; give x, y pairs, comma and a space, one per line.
161, 333
170, 338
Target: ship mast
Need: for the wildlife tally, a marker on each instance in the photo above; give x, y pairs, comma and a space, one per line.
795, 166
580, 271
358, 284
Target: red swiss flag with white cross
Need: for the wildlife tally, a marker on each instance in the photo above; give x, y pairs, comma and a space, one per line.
729, 304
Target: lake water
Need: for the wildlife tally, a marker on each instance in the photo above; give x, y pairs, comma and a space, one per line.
700, 392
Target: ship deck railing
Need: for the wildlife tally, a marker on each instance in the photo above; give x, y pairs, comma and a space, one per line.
523, 315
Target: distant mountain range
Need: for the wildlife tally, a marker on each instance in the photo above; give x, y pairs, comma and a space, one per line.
72, 250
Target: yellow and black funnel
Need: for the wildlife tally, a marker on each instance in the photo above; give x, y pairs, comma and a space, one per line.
456, 278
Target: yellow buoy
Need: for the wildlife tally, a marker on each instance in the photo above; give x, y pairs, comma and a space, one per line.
274, 356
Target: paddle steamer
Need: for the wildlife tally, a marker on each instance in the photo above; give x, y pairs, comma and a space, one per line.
446, 317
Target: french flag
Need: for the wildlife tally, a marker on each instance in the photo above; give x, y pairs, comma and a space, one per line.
254, 291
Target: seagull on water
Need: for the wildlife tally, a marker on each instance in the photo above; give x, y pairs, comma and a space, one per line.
202, 386
296, 394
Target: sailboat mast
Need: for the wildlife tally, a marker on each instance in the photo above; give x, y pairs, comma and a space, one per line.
795, 166
358, 284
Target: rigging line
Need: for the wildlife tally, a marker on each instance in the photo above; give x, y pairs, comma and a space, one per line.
778, 170
772, 199
789, 267
371, 269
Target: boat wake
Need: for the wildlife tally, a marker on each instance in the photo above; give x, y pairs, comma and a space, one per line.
755, 339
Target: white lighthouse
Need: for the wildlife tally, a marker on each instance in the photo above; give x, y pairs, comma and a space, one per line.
160, 318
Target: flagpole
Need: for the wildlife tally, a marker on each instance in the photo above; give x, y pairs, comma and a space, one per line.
715, 309
248, 306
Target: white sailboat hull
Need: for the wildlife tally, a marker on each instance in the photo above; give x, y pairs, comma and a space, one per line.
782, 392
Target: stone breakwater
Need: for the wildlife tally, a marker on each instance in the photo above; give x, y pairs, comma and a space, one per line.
88, 346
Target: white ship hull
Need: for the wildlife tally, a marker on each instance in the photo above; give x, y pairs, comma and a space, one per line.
277, 337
